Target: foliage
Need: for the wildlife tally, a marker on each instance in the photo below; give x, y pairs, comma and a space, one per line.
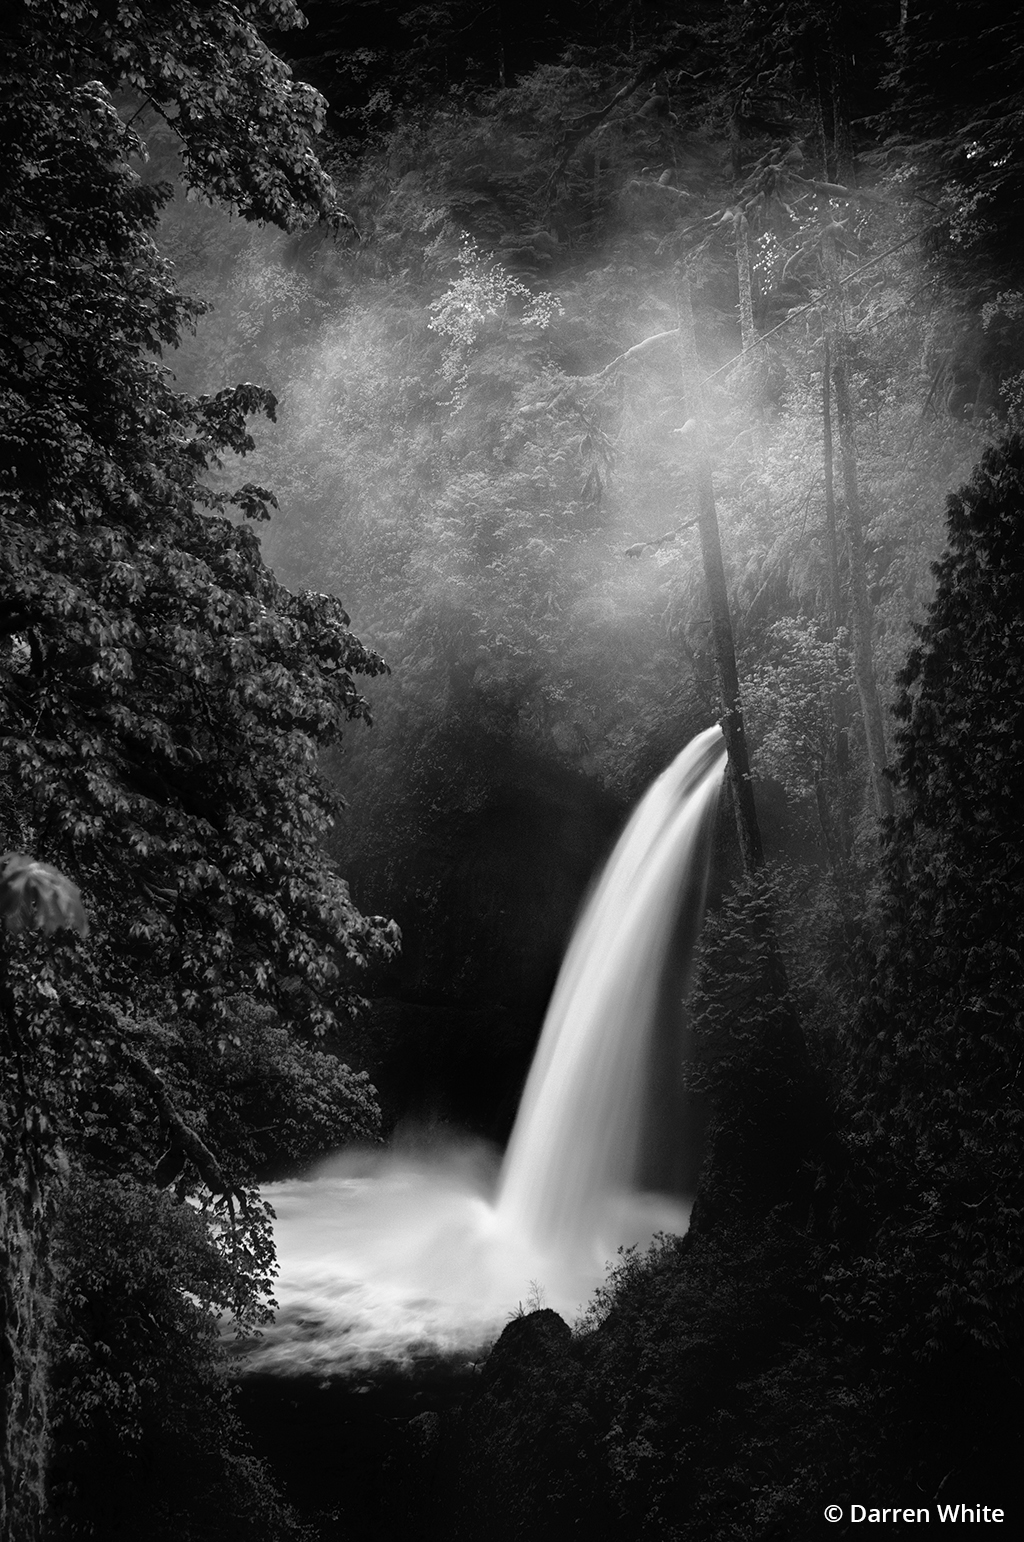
525, 551
781, 1353
245, 125
164, 700
522, 1443
165, 695
273, 1100
604, 177
955, 109
789, 700
141, 1394
699, 1397
941, 1128
481, 292
484, 442
752, 1065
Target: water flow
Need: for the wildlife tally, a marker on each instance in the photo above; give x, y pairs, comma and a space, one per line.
397, 1257
575, 1158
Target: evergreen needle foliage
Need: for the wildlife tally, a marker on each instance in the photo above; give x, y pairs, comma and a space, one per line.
858, 1332
609, 275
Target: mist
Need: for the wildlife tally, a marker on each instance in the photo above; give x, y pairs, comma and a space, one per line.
481, 448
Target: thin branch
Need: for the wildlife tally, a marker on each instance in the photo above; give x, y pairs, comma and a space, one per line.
812, 305
585, 126
871, 320
147, 101
800, 310
838, 190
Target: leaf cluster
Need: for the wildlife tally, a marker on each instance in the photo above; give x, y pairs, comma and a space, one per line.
246, 126
163, 702
140, 1395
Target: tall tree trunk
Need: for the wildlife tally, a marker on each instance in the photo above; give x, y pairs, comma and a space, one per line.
718, 600
838, 603
860, 603
842, 141
745, 278
733, 1178
752, 371
838, 607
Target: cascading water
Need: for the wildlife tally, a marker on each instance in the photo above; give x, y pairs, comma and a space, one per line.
578, 1144
388, 1258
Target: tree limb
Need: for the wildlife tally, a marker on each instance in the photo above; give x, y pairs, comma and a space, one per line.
658, 541
656, 337
799, 310
585, 126
183, 1137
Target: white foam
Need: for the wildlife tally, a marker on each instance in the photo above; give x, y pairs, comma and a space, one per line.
403, 1255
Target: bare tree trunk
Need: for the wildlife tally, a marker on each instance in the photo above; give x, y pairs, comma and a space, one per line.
718, 602
839, 617
752, 369
745, 276
860, 607
828, 465
860, 603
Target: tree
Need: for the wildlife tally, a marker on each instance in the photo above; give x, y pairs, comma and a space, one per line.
146, 1439
954, 104
246, 127
32, 895
836, 349
945, 1004
936, 1114
733, 1371
164, 699
747, 825
165, 696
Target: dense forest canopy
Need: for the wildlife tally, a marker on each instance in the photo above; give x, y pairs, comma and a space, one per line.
611, 366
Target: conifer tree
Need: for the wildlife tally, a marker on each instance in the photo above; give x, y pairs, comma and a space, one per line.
937, 1105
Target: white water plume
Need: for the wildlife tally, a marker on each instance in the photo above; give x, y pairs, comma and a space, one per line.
406, 1255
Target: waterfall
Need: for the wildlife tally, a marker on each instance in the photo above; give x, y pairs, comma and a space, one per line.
579, 1140
390, 1257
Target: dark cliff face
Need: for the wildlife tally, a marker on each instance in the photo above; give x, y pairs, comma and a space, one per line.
486, 886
